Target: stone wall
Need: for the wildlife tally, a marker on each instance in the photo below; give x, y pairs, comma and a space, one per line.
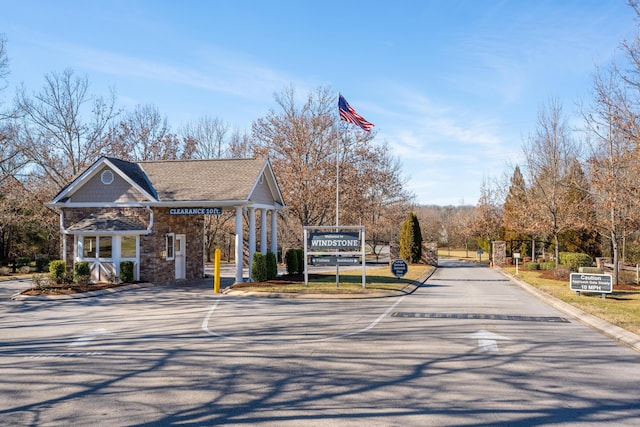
429, 253
154, 266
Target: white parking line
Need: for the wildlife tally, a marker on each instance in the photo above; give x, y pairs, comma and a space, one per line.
205, 327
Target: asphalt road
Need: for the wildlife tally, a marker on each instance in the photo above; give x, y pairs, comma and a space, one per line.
469, 348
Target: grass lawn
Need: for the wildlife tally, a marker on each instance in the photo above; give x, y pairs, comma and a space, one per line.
621, 307
378, 279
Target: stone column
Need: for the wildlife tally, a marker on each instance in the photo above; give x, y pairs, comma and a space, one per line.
499, 253
239, 244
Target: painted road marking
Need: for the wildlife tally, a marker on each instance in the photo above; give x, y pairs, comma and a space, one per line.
85, 339
480, 316
488, 341
207, 318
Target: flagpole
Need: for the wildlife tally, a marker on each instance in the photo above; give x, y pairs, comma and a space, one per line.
338, 191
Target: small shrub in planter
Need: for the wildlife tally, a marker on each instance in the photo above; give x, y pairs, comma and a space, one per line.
532, 266
259, 267
126, 271
81, 273
58, 270
272, 266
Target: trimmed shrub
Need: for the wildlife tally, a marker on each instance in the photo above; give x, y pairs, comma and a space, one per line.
126, 271
291, 259
81, 272
575, 260
42, 264
272, 266
22, 262
301, 261
532, 266
259, 267
547, 265
57, 271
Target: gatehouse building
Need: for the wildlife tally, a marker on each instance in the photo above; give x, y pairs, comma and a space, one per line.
152, 213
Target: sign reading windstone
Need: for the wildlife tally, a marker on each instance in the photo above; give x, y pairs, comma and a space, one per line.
334, 241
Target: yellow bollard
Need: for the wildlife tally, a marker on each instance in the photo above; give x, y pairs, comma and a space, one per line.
216, 272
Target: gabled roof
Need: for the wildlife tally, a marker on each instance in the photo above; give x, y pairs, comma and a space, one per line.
181, 182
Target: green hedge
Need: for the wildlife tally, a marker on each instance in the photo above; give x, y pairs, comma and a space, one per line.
81, 272
532, 266
259, 267
291, 259
301, 262
58, 270
272, 266
575, 260
548, 265
126, 271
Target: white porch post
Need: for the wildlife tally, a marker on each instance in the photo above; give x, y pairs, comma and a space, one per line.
263, 231
252, 236
239, 244
274, 233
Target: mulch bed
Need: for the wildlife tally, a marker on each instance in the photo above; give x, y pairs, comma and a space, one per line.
71, 288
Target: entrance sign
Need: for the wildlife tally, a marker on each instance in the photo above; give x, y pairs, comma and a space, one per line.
586, 282
195, 211
334, 246
399, 267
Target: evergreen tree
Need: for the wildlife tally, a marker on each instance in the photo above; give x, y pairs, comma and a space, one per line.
411, 239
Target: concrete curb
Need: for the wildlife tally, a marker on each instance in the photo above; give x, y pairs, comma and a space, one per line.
21, 297
621, 335
407, 290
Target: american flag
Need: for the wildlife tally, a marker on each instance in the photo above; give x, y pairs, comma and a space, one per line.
348, 114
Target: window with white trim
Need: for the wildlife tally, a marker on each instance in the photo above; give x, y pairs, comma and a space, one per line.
170, 246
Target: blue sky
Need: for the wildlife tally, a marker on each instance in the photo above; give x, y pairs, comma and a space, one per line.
452, 86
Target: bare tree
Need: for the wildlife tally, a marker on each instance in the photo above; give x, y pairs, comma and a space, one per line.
209, 136
62, 128
145, 135
303, 141
549, 152
612, 164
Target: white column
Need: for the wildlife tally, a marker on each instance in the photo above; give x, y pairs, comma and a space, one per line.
239, 244
252, 236
263, 231
274, 232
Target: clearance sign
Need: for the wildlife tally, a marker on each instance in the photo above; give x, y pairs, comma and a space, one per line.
334, 241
